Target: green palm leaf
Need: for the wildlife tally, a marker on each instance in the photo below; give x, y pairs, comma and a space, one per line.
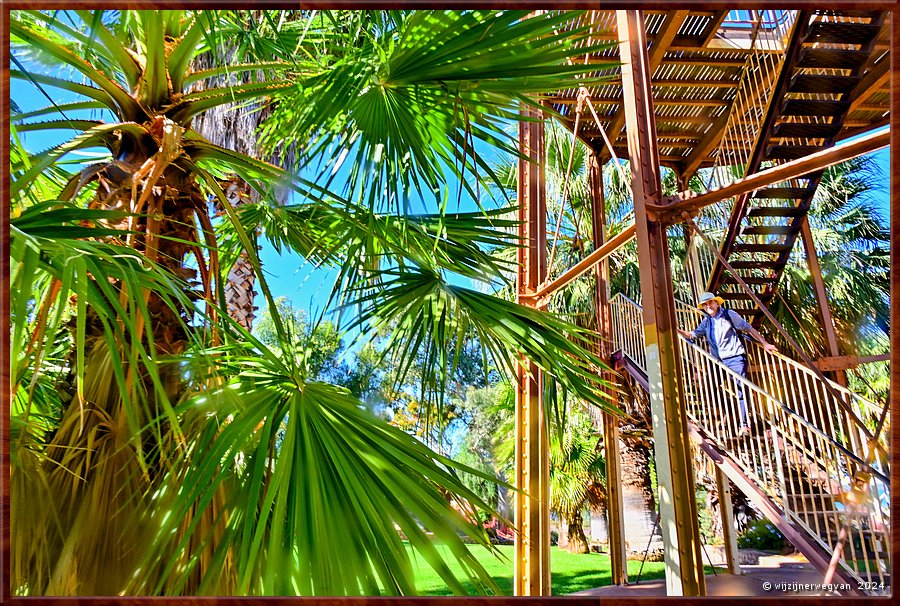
127, 108
424, 311
317, 519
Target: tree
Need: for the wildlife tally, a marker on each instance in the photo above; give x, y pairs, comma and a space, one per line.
158, 446
577, 476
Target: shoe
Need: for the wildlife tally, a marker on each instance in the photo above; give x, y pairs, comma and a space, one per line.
744, 431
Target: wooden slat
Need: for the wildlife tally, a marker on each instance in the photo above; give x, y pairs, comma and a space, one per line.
658, 48
870, 84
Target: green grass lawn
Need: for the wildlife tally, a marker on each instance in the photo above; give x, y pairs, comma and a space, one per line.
570, 572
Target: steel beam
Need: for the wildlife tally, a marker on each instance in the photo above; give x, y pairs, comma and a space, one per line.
532, 512
831, 364
614, 502
585, 265
689, 202
674, 469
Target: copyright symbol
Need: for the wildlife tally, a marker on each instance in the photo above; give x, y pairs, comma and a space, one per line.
767, 586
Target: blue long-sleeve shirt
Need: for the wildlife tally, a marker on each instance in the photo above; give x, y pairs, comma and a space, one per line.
724, 342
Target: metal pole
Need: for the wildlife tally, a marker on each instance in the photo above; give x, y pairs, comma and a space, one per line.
825, 317
532, 543
615, 505
674, 465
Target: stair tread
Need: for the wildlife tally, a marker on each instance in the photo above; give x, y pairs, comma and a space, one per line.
790, 152
769, 230
840, 12
842, 32
762, 247
813, 107
755, 264
776, 211
747, 279
813, 83
831, 57
784, 193
738, 296
803, 130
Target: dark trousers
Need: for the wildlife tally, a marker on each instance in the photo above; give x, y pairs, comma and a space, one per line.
739, 365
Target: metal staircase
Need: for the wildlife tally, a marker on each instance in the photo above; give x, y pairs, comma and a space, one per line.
811, 464
823, 68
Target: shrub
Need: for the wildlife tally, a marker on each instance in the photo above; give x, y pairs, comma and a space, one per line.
761, 534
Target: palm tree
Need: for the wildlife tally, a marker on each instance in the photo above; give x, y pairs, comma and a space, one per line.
577, 476
158, 447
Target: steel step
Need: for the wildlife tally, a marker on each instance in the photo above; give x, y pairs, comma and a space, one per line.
777, 211
763, 248
755, 264
784, 193
812, 107
790, 152
739, 296
807, 131
808, 83
729, 279
768, 230
842, 33
832, 58
862, 14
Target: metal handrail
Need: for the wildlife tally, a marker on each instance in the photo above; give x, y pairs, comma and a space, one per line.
772, 361
805, 458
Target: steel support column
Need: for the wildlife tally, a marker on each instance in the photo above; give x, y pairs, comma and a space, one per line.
677, 502
614, 502
825, 317
532, 559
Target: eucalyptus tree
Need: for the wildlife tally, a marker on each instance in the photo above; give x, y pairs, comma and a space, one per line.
158, 446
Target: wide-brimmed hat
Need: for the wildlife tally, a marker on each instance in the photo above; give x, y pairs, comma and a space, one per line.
707, 297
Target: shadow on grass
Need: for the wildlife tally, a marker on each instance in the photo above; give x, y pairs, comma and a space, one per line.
570, 573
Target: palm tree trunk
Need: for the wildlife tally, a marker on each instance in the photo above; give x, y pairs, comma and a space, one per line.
236, 130
240, 285
639, 502
577, 542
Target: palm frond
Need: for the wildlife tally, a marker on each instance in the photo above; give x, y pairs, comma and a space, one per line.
424, 311
405, 103
127, 108
318, 518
